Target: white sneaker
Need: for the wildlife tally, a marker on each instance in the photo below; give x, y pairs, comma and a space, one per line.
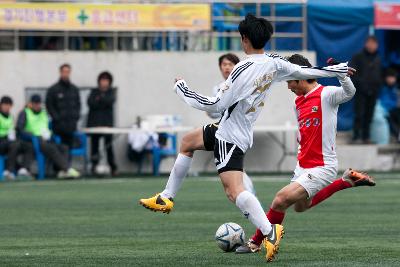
9, 175
62, 175
70, 173
24, 174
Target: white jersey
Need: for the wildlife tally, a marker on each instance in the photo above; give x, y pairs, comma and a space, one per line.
215, 90
241, 97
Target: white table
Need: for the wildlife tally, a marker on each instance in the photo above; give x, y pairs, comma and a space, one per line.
126, 130
271, 130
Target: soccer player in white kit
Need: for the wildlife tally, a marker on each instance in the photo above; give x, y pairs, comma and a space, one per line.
315, 176
202, 138
241, 99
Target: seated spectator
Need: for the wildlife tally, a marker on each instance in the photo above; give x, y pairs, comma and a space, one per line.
101, 113
390, 101
9, 146
33, 121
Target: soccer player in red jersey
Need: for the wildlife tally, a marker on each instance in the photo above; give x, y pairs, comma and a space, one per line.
315, 175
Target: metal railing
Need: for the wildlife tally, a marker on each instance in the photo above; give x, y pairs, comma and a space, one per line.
158, 41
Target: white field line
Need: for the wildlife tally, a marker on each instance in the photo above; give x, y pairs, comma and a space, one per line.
263, 179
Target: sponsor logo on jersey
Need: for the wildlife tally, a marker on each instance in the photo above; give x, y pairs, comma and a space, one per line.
314, 109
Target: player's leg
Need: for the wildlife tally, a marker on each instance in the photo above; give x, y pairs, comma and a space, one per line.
252, 210
190, 142
286, 197
304, 184
229, 161
350, 178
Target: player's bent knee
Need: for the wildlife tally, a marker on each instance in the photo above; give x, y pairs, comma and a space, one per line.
280, 202
186, 147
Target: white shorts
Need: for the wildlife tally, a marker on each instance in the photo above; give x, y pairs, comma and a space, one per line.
314, 179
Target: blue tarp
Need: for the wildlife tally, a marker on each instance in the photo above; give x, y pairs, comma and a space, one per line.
338, 28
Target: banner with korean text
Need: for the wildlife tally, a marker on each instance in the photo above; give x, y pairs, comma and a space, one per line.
106, 17
387, 16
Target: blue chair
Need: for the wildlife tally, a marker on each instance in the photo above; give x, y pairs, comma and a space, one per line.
2, 165
161, 152
80, 151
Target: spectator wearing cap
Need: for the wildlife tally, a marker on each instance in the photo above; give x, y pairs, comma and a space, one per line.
101, 114
64, 106
389, 98
33, 121
9, 146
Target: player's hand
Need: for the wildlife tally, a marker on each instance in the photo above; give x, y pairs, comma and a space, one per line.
179, 83
177, 79
332, 62
351, 71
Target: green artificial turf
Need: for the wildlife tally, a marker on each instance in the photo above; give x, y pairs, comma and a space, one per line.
99, 223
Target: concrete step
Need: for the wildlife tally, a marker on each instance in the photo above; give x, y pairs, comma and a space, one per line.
365, 158
343, 138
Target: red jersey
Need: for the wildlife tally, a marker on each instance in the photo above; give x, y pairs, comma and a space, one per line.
317, 121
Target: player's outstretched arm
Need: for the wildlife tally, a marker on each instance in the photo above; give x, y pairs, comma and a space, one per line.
217, 103
339, 95
288, 71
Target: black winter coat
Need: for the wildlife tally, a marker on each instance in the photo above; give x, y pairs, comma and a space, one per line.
101, 108
368, 78
64, 106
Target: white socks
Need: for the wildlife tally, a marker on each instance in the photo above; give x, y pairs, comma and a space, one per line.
248, 184
178, 173
252, 209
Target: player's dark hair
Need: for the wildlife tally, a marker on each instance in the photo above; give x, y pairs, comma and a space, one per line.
257, 30
230, 57
6, 100
105, 75
65, 65
301, 61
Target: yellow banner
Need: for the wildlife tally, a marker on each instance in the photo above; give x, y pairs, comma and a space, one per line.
106, 17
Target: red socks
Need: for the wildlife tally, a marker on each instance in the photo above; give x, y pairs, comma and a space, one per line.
274, 217
328, 191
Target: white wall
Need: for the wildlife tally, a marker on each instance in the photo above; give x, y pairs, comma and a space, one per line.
144, 81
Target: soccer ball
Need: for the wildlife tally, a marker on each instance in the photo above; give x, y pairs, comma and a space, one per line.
229, 236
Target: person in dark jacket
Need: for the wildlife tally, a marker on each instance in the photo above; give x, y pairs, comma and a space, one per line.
368, 81
64, 106
101, 114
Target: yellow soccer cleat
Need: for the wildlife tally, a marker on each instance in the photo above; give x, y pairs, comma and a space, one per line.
158, 203
272, 241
